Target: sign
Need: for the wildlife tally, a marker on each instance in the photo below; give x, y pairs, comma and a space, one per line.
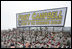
48, 17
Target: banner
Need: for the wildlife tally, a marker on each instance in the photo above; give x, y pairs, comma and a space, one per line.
48, 17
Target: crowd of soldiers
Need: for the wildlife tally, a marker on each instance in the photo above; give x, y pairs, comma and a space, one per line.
34, 39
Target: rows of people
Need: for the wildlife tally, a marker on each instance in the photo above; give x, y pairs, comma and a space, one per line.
35, 39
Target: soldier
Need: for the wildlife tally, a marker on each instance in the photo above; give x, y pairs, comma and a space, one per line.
27, 44
12, 45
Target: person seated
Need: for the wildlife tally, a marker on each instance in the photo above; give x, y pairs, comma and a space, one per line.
27, 44
12, 45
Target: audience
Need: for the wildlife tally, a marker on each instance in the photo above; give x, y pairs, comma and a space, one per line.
25, 39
